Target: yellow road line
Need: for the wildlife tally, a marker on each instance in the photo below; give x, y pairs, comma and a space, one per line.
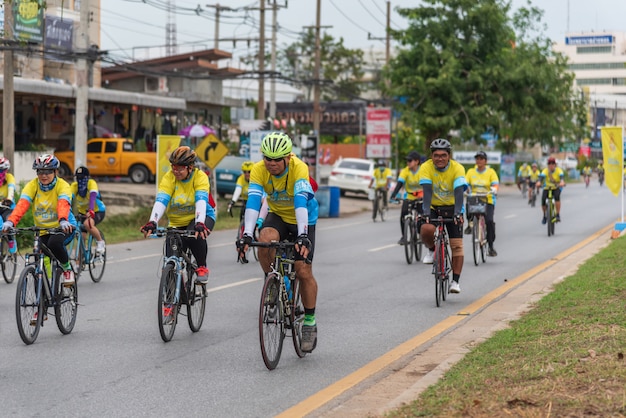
329, 393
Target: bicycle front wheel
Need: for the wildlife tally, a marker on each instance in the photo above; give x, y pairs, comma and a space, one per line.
297, 318
8, 261
65, 304
476, 240
408, 240
98, 262
438, 269
76, 254
551, 217
196, 303
168, 305
381, 207
417, 242
28, 307
271, 322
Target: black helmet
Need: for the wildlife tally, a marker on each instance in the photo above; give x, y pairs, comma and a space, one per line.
441, 143
413, 155
481, 154
381, 163
82, 172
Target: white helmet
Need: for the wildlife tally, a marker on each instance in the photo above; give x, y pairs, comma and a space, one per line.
5, 164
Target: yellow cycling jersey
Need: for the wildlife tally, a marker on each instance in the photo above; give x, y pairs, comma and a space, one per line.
82, 203
551, 180
241, 182
9, 181
381, 177
587, 171
482, 182
44, 202
524, 171
179, 197
534, 175
411, 182
443, 182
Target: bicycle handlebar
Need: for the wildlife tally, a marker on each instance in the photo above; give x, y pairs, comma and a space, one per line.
53, 230
162, 232
272, 244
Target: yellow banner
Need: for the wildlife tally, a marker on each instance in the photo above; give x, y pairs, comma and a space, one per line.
612, 143
165, 145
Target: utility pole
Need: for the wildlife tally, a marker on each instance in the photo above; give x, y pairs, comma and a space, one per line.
8, 100
388, 41
261, 103
218, 9
316, 86
82, 88
273, 80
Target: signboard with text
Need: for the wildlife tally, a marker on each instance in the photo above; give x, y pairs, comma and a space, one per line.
28, 20
59, 37
378, 132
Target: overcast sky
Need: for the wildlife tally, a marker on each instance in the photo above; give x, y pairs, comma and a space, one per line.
129, 25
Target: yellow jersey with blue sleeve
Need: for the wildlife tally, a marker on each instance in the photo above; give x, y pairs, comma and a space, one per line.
552, 180
524, 171
443, 181
482, 182
243, 184
381, 177
179, 197
534, 175
48, 203
82, 202
7, 190
411, 182
285, 193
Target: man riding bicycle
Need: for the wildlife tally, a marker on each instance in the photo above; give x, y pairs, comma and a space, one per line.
522, 175
532, 181
443, 181
285, 180
241, 190
552, 178
409, 179
88, 203
381, 180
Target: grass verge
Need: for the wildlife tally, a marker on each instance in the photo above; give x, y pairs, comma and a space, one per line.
564, 358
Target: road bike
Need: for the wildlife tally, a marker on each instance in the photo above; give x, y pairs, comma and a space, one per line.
412, 239
281, 307
601, 177
477, 208
8, 260
524, 187
442, 260
533, 195
240, 232
178, 286
587, 179
40, 287
83, 255
551, 212
379, 205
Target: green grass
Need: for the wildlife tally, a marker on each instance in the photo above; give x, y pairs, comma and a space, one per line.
564, 358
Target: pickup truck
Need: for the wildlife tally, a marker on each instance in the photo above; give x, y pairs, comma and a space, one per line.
112, 157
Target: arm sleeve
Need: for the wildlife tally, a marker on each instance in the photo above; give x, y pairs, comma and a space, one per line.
428, 198
11, 192
157, 211
458, 200
92, 200
201, 208
63, 209
19, 211
236, 193
399, 184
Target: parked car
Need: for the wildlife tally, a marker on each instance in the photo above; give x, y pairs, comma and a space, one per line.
226, 174
352, 175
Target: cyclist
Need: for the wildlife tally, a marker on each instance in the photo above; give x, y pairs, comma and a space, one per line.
600, 170
443, 182
532, 181
7, 197
285, 180
552, 178
522, 175
381, 180
587, 174
50, 197
184, 197
483, 179
241, 188
409, 179
89, 205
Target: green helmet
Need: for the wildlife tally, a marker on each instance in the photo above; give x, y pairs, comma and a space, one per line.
276, 145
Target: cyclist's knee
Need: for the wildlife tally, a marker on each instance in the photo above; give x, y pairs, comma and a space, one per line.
456, 244
268, 234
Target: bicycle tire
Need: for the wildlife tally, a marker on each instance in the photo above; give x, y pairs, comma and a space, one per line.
476, 244
408, 239
65, 304
375, 208
77, 254
437, 267
26, 304
447, 267
483, 239
550, 211
97, 263
418, 244
8, 261
297, 318
196, 302
168, 305
533, 199
381, 207
271, 322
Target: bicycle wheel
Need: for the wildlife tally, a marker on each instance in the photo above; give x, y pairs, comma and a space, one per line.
476, 244
97, 263
533, 199
417, 244
8, 261
408, 239
549, 212
168, 305
552, 221
483, 239
271, 322
375, 207
381, 207
27, 305
77, 254
65, 304
297, 318
447, 267
438, 270
196, 302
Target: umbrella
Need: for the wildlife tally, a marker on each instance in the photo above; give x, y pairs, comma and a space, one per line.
196, 130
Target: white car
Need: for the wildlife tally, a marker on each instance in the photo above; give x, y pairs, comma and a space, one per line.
352, 175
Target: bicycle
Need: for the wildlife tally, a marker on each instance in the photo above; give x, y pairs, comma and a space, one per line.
601, 177
8, 260
533, 195
178, 286
477, 207
379, 205
412, 239
551, 212
281, 307
82, 253
587, 179
240, 232
442, 260
524, 185
37, 292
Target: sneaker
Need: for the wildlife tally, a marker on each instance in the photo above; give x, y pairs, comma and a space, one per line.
203, 275
309, 338
12, 246
544, 221
468, 230
558, 217
454, 287
33, 320
401, 241
68, 278
492, 252
100, 247
428, 258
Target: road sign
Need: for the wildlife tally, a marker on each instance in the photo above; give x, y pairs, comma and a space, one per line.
211, 150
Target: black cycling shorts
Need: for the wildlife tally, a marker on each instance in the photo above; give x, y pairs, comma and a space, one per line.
290, 232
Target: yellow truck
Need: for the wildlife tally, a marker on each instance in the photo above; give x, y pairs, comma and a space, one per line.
112, 157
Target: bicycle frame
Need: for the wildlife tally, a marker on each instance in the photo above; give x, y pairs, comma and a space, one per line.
551, 212
181, 261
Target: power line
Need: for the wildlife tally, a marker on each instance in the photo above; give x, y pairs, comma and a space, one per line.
371, 14
347, 17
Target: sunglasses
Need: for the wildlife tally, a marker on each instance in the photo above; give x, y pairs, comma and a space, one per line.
45, 172
246, 172
178, 168
274, 159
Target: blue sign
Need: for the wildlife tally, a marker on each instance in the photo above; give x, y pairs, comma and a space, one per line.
589, 40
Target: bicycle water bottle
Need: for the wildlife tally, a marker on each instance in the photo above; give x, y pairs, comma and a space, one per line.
47, 265
287, 285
